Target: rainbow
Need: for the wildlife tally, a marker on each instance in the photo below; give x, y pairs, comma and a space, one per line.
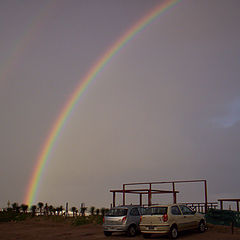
81, 88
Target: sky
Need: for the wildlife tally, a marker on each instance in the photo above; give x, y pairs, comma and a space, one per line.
166, 107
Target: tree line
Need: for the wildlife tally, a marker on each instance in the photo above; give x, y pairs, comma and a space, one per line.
46, 209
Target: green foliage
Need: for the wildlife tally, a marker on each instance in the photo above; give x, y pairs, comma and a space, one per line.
99, 219
74, 209
97, 211
92, 210
83, 210
24, 207
103, 210
80, 220
40, 206
223, 217
56, 218
12, 215
33, 209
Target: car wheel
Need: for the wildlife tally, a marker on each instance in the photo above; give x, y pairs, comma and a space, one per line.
108, 234
132, 231
173, 234
201, 227
146, 235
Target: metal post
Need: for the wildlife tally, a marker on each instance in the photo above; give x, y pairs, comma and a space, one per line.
150, 195
140, 200
206, 200
114, 198
174, 194
123, 194
221, 204
238, 206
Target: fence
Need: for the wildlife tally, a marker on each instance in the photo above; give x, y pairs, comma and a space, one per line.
200, 207
223, 217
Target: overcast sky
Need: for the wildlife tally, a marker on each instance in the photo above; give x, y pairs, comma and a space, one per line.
166, 107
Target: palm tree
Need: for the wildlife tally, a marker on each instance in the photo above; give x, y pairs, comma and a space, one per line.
58, 210
40, 205
61, 209
46, 209
83, 210
24, 207
15, 207
54, 211
103, 210
51, 209
97, 211
33, 209
92, 209
73, 210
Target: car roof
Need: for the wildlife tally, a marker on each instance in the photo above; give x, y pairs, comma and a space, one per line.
164, 205
126, 206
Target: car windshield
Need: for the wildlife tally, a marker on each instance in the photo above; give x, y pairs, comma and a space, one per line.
155, 211
117, 212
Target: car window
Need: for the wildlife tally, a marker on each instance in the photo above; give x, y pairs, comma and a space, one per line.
134, 212
186, 210
142, 210
116, 212
175, 210
156, 211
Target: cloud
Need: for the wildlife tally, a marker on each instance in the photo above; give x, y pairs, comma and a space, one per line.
231, 116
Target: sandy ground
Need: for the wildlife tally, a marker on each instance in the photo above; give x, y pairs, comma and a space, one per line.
46, 229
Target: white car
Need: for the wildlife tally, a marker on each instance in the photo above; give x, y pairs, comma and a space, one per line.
170, 219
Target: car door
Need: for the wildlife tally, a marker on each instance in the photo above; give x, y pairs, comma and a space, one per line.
189, 217
177, 217
134, 216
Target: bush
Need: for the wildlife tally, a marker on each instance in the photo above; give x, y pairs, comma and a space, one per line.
8, 216
80, 221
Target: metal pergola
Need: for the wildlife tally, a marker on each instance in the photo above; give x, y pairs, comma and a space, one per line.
236, 200
150, 190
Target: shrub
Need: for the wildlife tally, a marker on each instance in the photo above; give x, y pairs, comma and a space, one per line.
7, 216
81, 220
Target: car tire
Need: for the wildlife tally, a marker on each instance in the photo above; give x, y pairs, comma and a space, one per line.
173, 233
202, 227
146, 235
132, 231
107, 234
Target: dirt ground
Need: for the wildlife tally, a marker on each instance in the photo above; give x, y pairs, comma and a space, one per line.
36, 229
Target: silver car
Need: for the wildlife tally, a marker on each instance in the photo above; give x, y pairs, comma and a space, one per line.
122, 219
